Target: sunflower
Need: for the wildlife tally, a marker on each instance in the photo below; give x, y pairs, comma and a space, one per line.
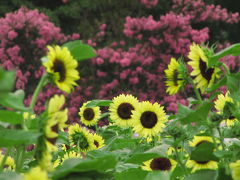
89, 116
9, 163
121, 109
219, 105
98, 141
174, 78
198, 165
36, 173
80, 138
204, 76
161, 163
197, 140
148, 119
62, 67
56, 118
235, 169
45, 161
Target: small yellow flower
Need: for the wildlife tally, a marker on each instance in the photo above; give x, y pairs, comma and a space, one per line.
235, 169
148, 119
36, 174
89, 116
121, 110
62, 66
162, 164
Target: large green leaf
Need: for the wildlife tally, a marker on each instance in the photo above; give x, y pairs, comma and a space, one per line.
131, 174
139, 158
7, 80
187, 115
14, 100
80, 51
11, 117
157, 175
10, 175
231, 50
203, 174
99, 102
13, 137
120, 143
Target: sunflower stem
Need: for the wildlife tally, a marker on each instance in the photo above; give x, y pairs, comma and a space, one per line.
195, 89
226, 68
20, 157
40, 85
5, 158
179, 159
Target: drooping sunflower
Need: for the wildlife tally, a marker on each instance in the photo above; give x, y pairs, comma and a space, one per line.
56, 118
235, 169
219, 105
36, 173
62, 66
174, 78
98, 141
89, 116
148, 119
198, 165
161, 163
197, 140
121, 109
204, 76
80, 138
9, 163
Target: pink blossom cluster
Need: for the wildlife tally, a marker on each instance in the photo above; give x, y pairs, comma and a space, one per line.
149, 3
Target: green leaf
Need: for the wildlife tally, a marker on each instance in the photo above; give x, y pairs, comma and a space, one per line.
10, 175
233, 84
157, 175
99, 102
13, 137
203, 152
14, 100
125, 166
139, 158
131, 174
223, 154
120, 143
11, 117
231, 50
80, 51
217, 85
186, 115
7, 81
203, 174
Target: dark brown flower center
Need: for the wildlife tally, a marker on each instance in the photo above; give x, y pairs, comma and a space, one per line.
175, 77
202, 162
58, 66
231, 117
201, 142
205, 72
96, 143
88, 114
148, 119
162, 164
125, 110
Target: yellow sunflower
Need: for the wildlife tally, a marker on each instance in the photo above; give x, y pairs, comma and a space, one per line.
235, 169
121, 109
148, 119
162, 164
45, 161
36, 173
98, 141
197, 140
198, 165
174, 79
56, 118
9, 163
204, 77
62, 67
80, 138
219, 105
89, 116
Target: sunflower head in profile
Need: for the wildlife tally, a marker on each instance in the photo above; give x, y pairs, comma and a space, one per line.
149, 119
80, 138
56, 118
9, 163
235, 170
98, 141
62, 66
36, 173
220, 104
204, 76
121, 110
174, 77
89, 116
161, 164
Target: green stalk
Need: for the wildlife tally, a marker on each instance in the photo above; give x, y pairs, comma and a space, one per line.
20, 158
195, 89
41, 84
5, 158
179, 159
226, 68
